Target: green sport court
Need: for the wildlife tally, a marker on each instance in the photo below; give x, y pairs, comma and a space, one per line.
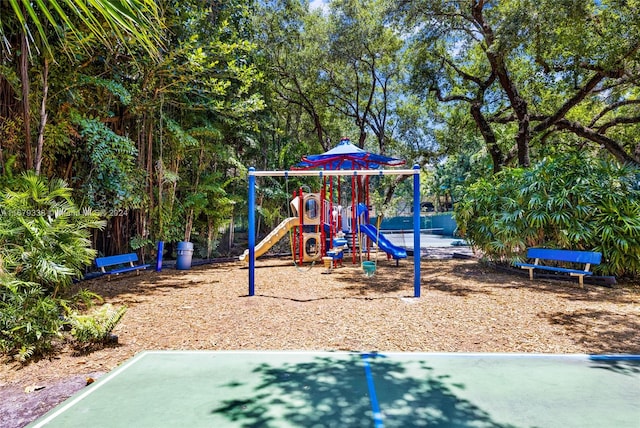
350, 389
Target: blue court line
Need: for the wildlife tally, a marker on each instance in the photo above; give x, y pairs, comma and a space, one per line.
375, 406
615, 357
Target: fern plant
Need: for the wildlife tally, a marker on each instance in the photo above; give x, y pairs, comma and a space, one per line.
83, 298
96, 326
113, 182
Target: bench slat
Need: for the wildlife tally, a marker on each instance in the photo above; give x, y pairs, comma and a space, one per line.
554, 268
565, 255
127, 269
119, 260
116, 260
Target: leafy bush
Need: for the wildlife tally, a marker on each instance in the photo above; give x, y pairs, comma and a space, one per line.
44, 245
570, 202
44, 237
113, 183
96, 326
29, 319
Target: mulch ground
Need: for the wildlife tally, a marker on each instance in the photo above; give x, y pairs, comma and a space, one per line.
465, 306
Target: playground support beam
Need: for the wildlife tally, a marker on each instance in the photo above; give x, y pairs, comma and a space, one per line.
416, 231
252, 232
251, 200
334, 173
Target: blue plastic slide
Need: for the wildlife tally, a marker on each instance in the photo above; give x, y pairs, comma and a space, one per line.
383, 242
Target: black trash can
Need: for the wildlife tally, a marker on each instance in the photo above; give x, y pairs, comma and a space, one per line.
185, 252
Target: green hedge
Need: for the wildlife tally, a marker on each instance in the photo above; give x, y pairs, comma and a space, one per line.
569, 202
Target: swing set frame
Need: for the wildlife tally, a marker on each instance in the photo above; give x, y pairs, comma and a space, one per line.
251, 200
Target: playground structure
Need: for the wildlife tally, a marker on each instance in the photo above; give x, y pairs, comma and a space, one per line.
319, 229
320, 224
326, 224
307, 229
310, 246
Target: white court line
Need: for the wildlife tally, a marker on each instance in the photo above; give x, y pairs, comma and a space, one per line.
98, 384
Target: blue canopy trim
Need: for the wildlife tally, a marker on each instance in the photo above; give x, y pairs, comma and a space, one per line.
347, 156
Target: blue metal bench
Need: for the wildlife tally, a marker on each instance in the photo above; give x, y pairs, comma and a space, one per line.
587, 258
125, 261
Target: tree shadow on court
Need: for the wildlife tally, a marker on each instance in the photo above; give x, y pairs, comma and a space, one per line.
624, 365
333, 392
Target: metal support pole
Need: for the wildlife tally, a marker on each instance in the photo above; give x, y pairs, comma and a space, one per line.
416, 232
354, 221
252, 231
301, 227
323, 234
159, 256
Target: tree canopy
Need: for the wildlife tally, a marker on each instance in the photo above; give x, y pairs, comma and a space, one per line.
535, 77
152, 110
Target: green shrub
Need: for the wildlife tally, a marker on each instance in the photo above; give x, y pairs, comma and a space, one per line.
44, 245
96, 326
84, 299
29, 319
570, 202
44, 237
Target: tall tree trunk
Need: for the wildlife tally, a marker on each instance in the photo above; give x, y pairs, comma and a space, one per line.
24, 80
210, 236
175, 168
392, 188
43, 116
362, 136
189, 225
160, 172
497, 157
325, 144
149, 166
499, 67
